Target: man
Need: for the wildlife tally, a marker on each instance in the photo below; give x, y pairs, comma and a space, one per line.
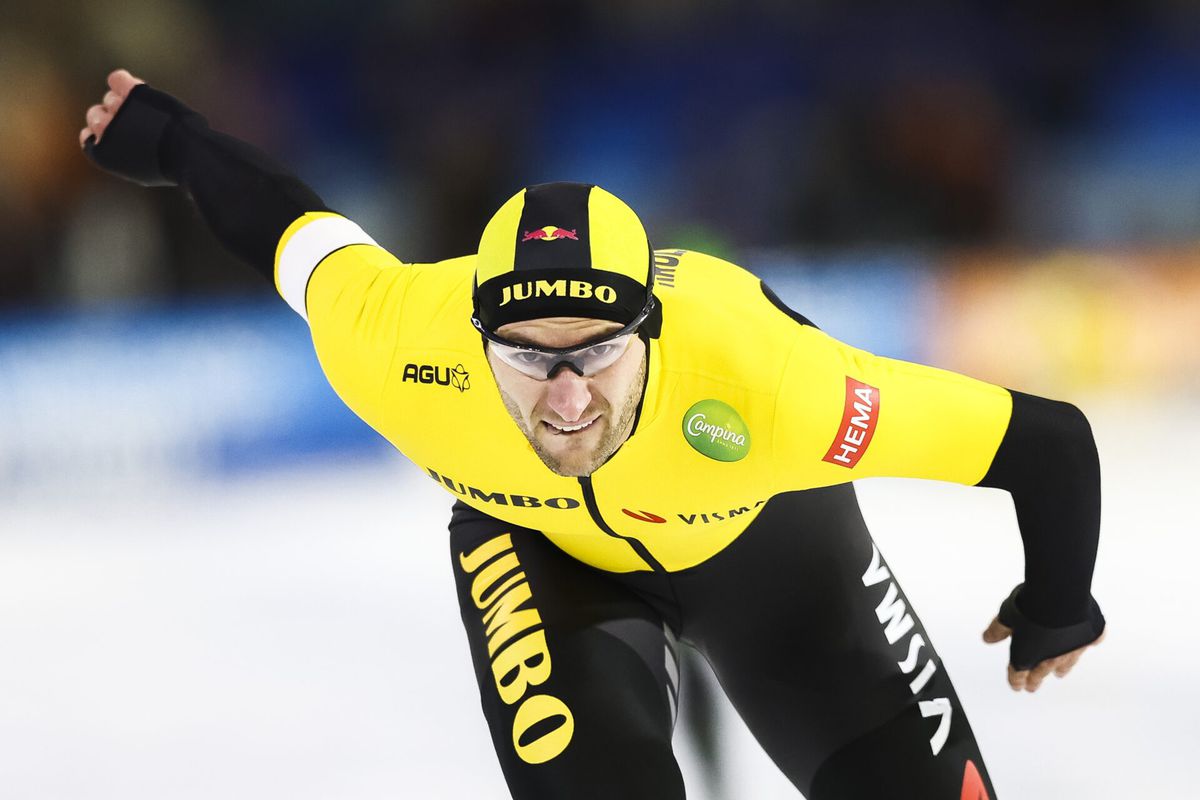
649, 446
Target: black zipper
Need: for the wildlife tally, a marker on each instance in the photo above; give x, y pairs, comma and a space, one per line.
589, 499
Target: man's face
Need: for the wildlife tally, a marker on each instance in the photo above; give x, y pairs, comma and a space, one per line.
551, 412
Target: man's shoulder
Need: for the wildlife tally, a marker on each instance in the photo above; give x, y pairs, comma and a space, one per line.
719, 320
688, 277
668, 261
700, 285
452, 275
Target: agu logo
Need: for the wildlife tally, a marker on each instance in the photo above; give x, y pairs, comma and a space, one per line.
714, 429
458, 377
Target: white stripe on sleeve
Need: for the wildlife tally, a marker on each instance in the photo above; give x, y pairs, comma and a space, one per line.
307, 248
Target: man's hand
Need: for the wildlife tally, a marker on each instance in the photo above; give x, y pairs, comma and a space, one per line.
1031, 679
120, 84
146, 136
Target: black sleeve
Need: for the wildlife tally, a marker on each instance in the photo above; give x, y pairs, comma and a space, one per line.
1048, 462
246, 198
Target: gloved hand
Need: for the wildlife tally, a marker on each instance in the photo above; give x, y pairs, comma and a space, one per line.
1037, 650
127, 133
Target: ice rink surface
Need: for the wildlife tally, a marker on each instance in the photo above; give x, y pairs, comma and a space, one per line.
295, 635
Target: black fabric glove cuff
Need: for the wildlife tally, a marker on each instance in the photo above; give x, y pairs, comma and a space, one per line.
138, 144
1033, 643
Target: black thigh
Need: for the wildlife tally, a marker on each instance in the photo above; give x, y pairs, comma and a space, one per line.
577, 676
815, 644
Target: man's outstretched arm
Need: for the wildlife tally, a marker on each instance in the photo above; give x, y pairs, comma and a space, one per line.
148, 137
900, 419
1048, 462
350, 290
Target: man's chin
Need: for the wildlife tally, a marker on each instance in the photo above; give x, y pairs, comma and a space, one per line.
571, 455
569, 470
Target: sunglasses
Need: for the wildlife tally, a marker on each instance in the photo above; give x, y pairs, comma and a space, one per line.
584, 360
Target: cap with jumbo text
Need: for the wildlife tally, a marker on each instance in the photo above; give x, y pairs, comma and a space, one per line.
564, 250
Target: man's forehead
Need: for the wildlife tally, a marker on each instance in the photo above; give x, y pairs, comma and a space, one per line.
557, 331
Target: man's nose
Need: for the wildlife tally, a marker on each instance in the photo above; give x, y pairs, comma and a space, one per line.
568, 395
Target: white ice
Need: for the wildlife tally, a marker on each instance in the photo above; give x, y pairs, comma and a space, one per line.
296, 635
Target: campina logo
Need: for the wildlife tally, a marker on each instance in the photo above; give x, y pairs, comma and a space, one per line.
714, 429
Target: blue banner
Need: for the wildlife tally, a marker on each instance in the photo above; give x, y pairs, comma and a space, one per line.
176, 391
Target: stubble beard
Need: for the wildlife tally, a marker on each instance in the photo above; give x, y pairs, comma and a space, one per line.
613, 437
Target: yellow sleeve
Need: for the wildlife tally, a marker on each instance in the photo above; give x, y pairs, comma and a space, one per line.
846, 414
350, 290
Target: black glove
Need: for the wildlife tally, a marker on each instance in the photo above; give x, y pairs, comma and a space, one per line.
136, 145
1033, 643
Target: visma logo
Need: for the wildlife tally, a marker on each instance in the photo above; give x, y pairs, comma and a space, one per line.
716, 430
442, 376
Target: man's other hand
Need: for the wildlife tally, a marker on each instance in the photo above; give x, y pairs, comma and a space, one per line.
120, 84
1030, 679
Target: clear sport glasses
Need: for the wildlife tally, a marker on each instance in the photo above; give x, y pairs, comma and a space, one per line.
585, 360
542, 363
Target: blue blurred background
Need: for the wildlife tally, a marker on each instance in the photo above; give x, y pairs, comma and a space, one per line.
927, 181
1007, 189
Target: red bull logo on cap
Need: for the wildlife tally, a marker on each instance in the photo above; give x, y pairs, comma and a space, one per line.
549, 234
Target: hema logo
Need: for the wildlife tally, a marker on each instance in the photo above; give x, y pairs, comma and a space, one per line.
859, 418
